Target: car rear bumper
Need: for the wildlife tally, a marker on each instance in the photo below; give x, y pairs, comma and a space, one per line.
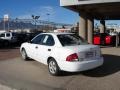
81, 66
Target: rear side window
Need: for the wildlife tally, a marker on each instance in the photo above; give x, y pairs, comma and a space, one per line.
48, 40
71, 40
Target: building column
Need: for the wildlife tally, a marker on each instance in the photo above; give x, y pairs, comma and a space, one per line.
90, 29
102, 26
83, 26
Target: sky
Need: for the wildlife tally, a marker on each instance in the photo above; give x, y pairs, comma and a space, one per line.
25, 8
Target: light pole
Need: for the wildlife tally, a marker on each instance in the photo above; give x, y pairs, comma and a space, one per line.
48, 19
6, 19
8, 25
35, 18
4, 25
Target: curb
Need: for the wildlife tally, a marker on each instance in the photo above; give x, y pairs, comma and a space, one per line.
4, 87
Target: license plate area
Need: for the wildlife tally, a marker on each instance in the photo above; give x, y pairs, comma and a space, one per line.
89, 54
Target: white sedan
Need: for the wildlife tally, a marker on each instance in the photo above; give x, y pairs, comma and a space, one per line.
62, 52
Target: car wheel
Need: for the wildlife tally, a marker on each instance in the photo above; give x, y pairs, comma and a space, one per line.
24, 55
6, 43
53, 67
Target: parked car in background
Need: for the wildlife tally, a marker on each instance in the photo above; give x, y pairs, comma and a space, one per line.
104, 39
8, 38
62, 52
25, 37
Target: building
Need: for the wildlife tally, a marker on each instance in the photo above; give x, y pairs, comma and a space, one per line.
93, 9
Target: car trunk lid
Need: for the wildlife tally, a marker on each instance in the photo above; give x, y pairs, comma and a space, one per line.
86, 52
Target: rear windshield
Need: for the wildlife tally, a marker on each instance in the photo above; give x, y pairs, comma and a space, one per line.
71, 40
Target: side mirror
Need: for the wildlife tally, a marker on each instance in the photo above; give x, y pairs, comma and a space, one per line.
29, 41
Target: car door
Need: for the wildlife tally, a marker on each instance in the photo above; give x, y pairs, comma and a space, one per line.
33, 46
8, 36
45, 48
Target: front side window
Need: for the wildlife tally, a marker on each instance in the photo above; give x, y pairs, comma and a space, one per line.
38, 39
71, 40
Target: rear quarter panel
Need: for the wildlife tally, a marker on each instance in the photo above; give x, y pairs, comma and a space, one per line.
60, 54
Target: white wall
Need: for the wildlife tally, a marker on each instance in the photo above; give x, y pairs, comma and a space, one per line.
2, 31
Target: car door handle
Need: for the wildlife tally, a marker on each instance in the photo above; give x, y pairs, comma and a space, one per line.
36, 47
49, 49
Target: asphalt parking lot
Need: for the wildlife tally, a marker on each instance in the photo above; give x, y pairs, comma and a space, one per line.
31, 75
9, 53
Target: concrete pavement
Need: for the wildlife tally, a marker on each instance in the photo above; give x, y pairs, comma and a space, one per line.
32, 75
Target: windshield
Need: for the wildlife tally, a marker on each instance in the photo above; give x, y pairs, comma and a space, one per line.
71, 40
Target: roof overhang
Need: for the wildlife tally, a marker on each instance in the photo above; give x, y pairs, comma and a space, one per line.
99, 9
84, 2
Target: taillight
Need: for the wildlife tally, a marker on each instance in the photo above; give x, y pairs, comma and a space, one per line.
72, 57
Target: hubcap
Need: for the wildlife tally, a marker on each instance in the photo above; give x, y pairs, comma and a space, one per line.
52, 67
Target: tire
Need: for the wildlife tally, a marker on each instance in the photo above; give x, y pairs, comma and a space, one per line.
53, 67
6, 43
24, 55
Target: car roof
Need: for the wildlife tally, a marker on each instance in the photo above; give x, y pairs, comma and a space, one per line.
57, 33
